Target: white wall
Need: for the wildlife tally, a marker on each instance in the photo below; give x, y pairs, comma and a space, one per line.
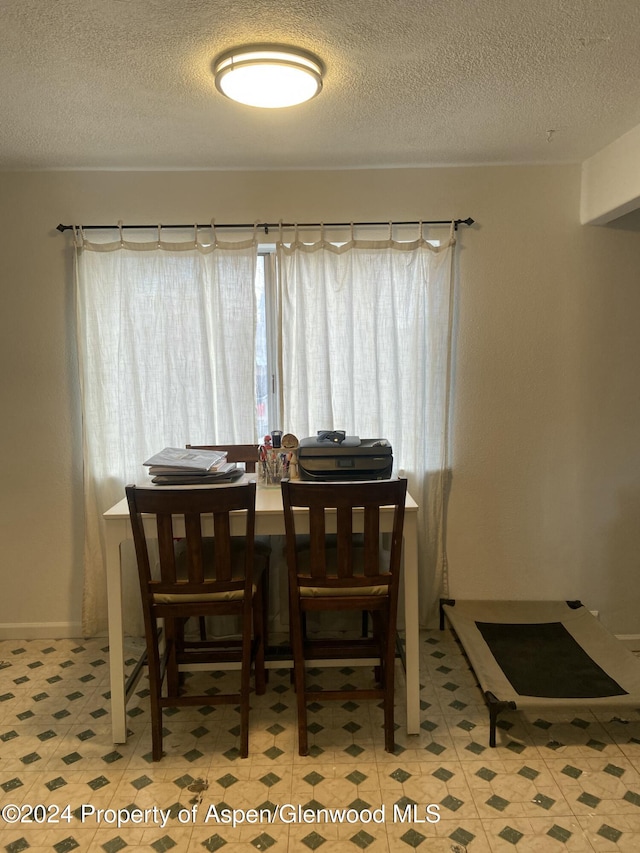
611, 180
545, 494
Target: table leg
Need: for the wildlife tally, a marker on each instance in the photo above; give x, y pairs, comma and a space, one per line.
115, 534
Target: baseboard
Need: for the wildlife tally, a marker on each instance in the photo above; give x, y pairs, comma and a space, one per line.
631, 641
40, 630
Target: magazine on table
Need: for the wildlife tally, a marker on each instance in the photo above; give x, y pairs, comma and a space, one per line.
183, 460
228, 473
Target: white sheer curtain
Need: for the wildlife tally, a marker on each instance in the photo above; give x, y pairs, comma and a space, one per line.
166, 343
366, 340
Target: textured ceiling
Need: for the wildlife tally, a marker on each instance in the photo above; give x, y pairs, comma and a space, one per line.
128, 84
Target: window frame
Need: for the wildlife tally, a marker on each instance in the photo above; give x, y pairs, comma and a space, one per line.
267, 255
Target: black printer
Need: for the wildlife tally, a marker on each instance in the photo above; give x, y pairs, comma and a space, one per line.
332, 455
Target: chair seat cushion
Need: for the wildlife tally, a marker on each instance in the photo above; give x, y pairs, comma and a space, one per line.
330, 591
311, 591
177, 598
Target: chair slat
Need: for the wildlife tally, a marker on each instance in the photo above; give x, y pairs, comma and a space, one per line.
344, 544
317, 556
195, 567
371, 540
166, 552
222, 543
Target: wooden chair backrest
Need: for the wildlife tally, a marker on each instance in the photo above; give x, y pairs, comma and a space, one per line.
247, 453
368, 567
205, 570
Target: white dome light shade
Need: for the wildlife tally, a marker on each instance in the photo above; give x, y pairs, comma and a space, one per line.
268, 76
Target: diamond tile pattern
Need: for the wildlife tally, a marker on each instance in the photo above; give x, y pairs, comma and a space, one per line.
554, 781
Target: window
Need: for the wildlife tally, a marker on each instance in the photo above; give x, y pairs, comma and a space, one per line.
172, 352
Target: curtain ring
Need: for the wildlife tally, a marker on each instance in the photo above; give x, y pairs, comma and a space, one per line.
452, 231
120, 232
195, 235
280, 231
322, 232
295, 235
214, 236
159, 246
391, 231
420, 233
77, 236
353, 235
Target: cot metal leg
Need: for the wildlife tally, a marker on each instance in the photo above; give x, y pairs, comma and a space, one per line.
496, 706
451, 602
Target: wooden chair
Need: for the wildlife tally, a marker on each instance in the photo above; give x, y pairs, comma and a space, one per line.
344, 572
198, 576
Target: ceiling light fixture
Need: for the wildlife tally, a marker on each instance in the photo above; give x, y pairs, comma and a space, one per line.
267, 75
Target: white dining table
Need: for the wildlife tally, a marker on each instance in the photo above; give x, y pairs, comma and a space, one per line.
269, 522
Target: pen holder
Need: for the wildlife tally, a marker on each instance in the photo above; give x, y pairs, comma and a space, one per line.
273, 466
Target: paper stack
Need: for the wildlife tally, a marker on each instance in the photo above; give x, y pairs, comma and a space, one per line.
177, 466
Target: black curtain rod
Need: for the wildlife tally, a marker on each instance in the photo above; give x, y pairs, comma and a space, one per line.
267, 226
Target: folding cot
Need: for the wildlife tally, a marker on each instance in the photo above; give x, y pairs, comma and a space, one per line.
528, 654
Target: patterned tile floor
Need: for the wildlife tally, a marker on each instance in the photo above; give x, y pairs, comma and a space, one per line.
555, 782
